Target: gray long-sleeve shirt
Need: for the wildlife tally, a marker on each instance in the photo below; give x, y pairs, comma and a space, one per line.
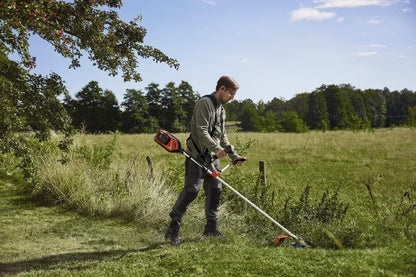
202, 122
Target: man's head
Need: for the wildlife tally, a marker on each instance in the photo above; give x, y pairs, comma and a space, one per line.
226, 89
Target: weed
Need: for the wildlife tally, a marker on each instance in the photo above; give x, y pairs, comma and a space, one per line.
397, 219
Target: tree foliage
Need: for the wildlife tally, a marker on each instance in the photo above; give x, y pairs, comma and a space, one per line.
28, 99
411, 120
135, 118
73, 28
76, 26
329, 107
318, 112
169, 108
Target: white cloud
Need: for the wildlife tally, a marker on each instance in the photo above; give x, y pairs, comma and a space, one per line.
209, 2
310, 14
323, 4
401, 57
373, 21
363, 54
244, 60
340, 19
407, 10
375, 45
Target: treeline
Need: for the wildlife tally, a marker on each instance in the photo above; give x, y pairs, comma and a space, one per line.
97, 110
332, 107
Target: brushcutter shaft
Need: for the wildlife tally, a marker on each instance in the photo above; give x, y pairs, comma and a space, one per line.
257, 208
216, 175
225, 167
210, 172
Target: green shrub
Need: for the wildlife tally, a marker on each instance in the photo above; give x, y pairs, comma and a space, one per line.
98, 156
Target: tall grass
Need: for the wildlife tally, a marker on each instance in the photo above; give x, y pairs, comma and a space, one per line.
385, 159
97, 184
110, 177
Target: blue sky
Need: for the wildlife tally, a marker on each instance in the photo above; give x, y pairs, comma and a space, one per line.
273, 48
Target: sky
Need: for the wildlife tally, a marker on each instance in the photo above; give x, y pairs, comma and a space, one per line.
272, 48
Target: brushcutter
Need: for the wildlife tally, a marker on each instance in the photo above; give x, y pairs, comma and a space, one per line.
170, 143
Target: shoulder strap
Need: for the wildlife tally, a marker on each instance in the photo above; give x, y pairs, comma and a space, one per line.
213, 100
215, 103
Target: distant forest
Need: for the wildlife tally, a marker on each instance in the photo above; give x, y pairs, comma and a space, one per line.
329, 107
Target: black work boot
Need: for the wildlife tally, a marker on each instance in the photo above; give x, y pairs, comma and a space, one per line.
171, 235
211, 229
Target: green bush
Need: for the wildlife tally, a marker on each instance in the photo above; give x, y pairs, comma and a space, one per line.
291, 122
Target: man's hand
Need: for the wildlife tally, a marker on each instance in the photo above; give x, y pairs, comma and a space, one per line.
221, 153
239, 160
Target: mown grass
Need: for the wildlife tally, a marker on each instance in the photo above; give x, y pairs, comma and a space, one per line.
50, 241
54, 241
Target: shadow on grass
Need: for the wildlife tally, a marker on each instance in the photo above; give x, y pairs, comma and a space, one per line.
69, 261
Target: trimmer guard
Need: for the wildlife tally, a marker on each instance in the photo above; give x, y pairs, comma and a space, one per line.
281, 238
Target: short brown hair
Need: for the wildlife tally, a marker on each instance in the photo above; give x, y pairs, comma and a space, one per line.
228, 83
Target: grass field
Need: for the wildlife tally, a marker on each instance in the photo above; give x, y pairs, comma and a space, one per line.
108, 218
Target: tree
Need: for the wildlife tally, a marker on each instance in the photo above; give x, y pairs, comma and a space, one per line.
87, 107
40, 107
299, 104
172, 106
190, 97
72, 27
277, 105
135, 118
411, 119
393, 111
250, 119
376, 107
28, 99
13, 83
407, 103
234, 110
291, 122
359, 120
270, 123
339, 106
154, 100
110, 112
318, 117
173, 109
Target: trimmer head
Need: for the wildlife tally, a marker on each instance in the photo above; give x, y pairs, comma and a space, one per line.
299, 243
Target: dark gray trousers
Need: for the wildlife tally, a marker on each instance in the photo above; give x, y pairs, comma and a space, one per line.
194, 178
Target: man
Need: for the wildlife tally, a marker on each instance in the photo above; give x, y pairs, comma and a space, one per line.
208, 138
